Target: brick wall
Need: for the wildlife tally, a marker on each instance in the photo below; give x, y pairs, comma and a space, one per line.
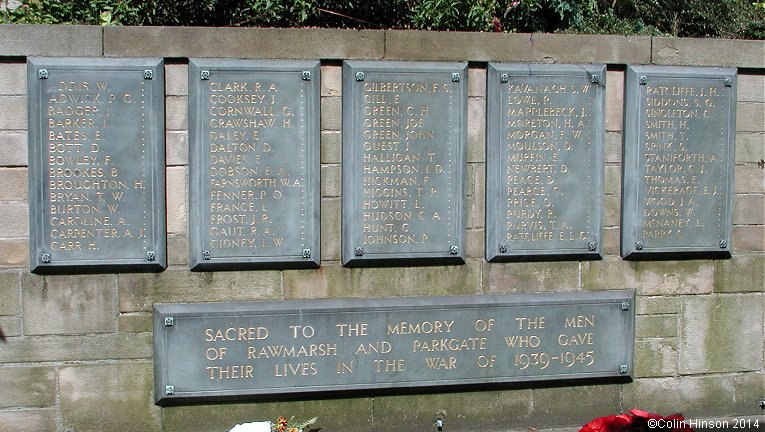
79, 351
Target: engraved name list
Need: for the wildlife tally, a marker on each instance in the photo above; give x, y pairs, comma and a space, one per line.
99, 158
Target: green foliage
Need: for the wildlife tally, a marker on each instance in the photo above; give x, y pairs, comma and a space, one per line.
376, 14
686, 18
187, 12
548, 15
698, 18
98, 12
282, 14
322, 13
477, 15
609, 23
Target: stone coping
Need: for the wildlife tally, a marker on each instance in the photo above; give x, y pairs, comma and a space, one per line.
339, 44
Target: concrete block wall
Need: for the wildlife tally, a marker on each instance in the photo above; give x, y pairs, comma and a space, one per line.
79, 351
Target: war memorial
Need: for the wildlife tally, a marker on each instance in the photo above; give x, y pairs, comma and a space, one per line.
390, 230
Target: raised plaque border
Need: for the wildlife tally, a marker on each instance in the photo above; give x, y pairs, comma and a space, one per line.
494, 163
350, 182
166, 316
631, 161
312, 163
155, 128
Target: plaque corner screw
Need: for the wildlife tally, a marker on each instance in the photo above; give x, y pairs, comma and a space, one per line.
169, 390
592, 246
643, 80
206, 255
723, 244
728, 82
455, 77
42, 74
623, 369
639, 245
148, 74
761, 403
169, 321
454, 250
625, 306
306, 75
359, 251
595, 79
504, 78
502, 248
359, 76
306, 253
204, 75
45, 258
151, 256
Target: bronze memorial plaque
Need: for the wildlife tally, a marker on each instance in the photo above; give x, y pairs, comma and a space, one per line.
404, 152
253, 164
241, 350
677, 185
96, 164
544, 161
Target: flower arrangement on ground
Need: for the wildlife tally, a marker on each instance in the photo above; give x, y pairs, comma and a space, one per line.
638, 421
284, 425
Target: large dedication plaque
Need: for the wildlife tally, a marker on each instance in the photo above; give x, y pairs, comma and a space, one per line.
677, 190
544, 161
238, 350
253, 164
404, 152
96, 165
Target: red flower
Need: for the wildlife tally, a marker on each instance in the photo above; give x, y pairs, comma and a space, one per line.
612, 423
638, 421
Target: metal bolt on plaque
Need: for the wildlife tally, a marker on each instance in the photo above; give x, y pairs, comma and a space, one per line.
723, 244
592, 246
643, 80
306, 253
359, 76
639, 245
42, 74
728, 82
206, 255
169, 321
504, 78
623, 369
204, 75
595, 79
151, 256
625, 306
359, 251
169, 390
148, 74
455, 77
503, 248
45, 258
306, 75
454, 250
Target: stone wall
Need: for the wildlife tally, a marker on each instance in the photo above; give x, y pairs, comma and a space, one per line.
79, 350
